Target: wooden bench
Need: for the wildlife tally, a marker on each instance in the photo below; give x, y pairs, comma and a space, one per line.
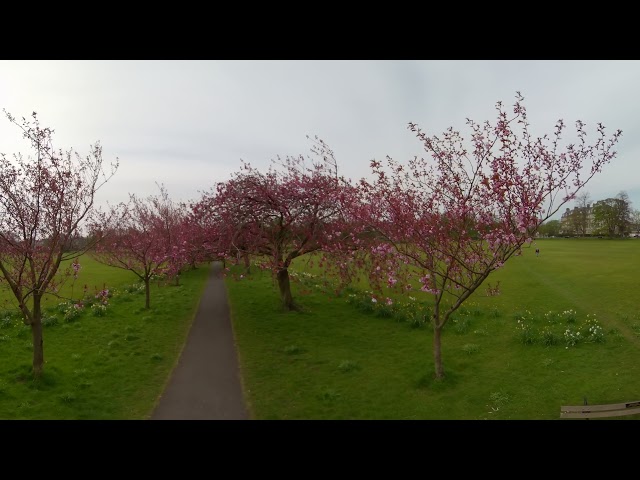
600, 411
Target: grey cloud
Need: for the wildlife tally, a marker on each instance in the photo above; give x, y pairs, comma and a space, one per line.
190, 122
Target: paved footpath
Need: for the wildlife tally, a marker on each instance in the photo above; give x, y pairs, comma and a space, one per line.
205, 384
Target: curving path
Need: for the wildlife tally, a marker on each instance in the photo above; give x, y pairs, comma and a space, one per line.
205, 384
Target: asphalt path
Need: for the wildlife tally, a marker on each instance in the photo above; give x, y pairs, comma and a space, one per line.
205, 384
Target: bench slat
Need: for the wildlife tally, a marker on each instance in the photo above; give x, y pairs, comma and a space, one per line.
599, 408
599, 414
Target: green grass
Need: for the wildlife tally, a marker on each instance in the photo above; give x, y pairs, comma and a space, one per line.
100, 367
333, 360
92, 274
591, 276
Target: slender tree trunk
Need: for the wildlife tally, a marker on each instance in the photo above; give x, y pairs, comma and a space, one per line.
285, 289
147, 288
437, 341
36, 333
437, 351
247, 263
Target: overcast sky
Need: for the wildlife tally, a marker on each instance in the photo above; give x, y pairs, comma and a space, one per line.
187, 124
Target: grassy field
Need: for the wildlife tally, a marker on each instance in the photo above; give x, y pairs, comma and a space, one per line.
519, 355
95, 276
98, 365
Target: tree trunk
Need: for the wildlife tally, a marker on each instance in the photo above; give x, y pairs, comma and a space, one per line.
147, 288
36, 333
437, 350
285, 289
247, 263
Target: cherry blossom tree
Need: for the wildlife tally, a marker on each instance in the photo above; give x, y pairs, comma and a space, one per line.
44, 201
140, 236
177, 231
205, 242
293, 209
445, 223
188, 248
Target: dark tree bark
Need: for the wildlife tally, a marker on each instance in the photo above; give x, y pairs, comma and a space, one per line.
285, 289
36, 333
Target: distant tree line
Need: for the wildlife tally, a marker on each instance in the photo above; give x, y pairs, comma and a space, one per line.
611, 217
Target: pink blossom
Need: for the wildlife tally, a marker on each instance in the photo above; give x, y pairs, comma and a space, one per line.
462, 210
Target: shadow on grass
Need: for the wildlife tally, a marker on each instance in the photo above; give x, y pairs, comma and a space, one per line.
23, 374
429, 381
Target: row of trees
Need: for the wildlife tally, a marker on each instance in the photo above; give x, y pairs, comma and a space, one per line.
47, 218
440, 224
613, 217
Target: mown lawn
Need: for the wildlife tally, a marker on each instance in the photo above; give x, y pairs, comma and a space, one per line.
99, 367
341, 358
